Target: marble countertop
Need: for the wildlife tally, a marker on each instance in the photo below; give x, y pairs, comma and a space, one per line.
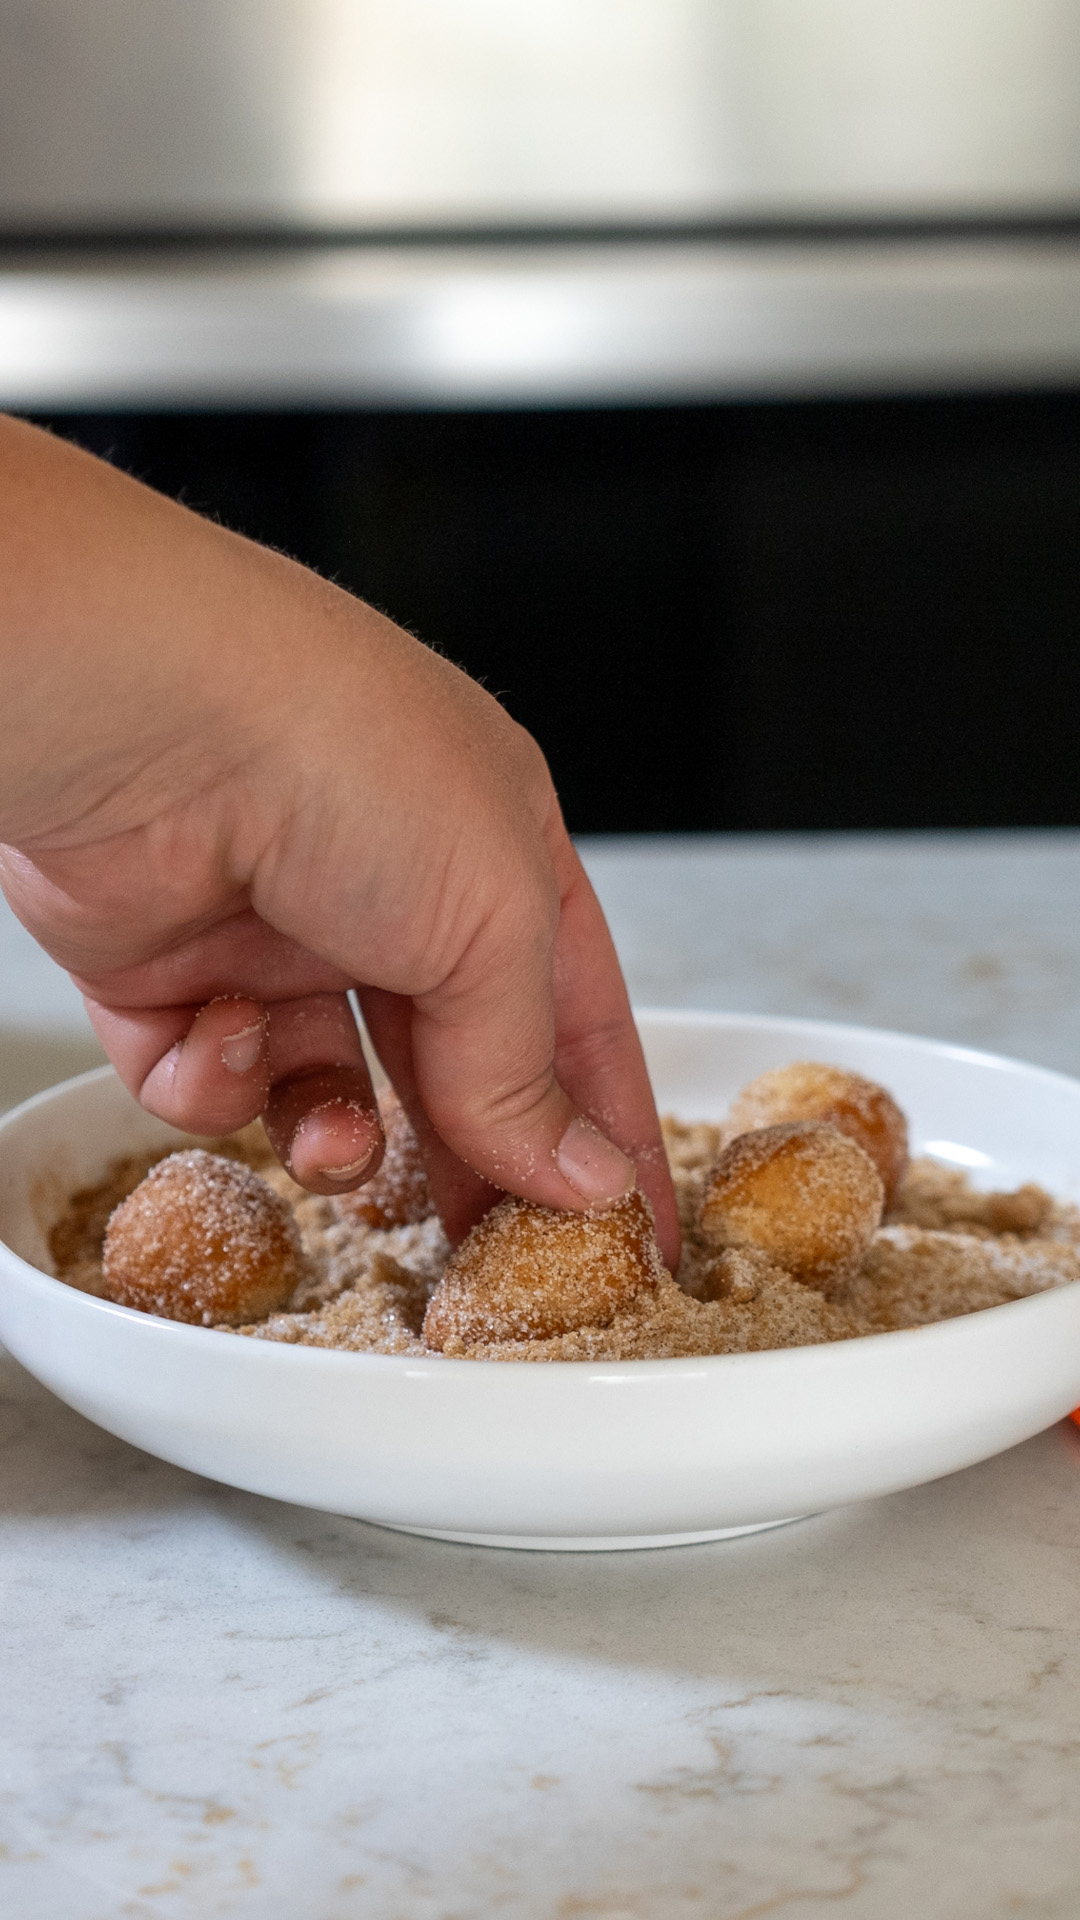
217, 1705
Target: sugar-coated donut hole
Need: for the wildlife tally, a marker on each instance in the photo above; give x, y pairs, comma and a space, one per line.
530, 1273
398, 1194
810, 1090
804, 1194
202, 1239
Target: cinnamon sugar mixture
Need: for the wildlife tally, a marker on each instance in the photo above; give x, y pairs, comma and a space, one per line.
944, 1249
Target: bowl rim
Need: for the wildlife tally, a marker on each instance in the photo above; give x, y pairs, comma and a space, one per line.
831, 1354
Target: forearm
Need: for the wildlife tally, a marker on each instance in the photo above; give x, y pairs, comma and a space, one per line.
118, 611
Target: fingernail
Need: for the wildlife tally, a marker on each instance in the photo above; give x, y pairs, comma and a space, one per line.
345, 1173
167, 1065
242, 1051
593, 1165
342, 1110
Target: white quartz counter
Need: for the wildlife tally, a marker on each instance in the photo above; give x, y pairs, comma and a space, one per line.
215, 1705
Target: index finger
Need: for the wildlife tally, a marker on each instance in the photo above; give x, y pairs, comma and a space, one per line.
598, 1054
526, 1060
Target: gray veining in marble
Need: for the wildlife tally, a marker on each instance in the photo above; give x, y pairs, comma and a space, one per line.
220, 1705
213, 1704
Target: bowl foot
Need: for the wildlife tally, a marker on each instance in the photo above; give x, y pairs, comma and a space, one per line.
591, 1543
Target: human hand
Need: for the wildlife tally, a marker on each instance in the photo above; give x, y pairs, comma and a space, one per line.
258, 793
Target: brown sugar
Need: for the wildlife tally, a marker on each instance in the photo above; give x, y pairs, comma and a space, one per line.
912, 1276
669, 1324
943, 1249
942, 1197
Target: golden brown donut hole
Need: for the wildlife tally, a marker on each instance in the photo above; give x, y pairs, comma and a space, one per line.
202, 1239
803, 1193
809, 1090
398, 1194
529, 1273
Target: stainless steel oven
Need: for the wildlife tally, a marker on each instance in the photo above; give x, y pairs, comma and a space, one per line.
699, 371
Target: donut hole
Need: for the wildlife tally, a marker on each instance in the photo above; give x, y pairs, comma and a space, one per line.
811, 1090
202, 1239
804, 1194
531, 1273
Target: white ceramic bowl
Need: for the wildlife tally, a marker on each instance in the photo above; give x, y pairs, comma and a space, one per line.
573, 1455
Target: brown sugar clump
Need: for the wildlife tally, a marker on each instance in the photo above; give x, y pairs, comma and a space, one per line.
398, 1195
912, 1276
203, 1239
935, 1196
531, 1273
808, 1090
803, 1194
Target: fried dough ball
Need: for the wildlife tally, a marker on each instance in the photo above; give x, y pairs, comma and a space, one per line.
398, 1195
202, 1239
808, 1090
528, 1273
804, 1194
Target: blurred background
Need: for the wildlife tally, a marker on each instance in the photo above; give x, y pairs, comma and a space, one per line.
703, 375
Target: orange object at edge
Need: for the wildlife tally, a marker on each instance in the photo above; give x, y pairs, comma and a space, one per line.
1076, 1416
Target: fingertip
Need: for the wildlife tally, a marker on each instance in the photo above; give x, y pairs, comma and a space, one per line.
336, 1147
602, 1174
325, 1128
660, 1193
658, 1187
156, 1090
597, 1170
215, 1078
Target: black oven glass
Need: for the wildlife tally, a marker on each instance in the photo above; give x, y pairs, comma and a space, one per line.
828, 615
